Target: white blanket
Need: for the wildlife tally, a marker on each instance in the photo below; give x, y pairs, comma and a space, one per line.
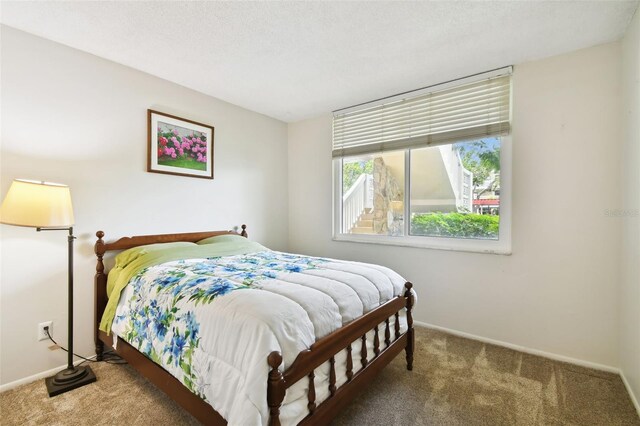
212, 322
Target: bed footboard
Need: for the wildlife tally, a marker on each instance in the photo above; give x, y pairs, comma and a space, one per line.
327, 348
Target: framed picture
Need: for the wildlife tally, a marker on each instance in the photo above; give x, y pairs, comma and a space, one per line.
178, 146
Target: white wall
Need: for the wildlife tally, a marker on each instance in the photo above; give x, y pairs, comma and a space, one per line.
630, 282
71, 117
558, 291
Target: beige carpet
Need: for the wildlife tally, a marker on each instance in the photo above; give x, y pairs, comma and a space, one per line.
455, 382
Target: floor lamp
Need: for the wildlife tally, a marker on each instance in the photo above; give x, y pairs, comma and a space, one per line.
47, 207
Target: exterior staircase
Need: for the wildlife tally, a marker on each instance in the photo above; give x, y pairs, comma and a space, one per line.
357, 204
364, 225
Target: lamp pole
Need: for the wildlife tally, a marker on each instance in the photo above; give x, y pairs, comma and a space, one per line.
70, 239
72, 377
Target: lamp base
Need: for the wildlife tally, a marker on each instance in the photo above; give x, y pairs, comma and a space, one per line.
69, 379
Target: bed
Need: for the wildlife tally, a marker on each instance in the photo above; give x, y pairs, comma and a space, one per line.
306, 378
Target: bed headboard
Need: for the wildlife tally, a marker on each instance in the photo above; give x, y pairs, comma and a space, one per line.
124, 243
100, 248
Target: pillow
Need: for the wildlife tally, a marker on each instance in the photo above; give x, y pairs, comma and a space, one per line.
225, 238
126, 257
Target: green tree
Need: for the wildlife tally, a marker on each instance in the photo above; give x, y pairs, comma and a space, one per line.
352, 170
483, 161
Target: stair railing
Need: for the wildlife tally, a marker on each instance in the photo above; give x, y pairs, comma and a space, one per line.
353, 203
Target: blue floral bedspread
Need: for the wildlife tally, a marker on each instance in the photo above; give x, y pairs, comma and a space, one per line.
268, 300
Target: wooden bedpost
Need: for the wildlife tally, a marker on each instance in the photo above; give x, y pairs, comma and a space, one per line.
275, 388
244, 231
410, 332
100, 294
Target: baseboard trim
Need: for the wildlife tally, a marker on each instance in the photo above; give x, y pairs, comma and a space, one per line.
35, 377
630, 392
524, 349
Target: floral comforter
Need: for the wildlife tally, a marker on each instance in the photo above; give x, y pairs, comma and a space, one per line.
212, 322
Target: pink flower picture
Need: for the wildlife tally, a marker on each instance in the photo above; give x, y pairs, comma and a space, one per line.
180, 146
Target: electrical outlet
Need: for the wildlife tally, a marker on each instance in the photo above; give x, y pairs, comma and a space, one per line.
42, 334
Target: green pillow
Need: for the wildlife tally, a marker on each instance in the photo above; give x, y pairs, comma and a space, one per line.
126, 257
226, 238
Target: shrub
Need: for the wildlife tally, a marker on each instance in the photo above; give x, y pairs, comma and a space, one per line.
460, 225
172, 145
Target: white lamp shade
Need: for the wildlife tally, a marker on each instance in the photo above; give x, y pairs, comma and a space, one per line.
37, 204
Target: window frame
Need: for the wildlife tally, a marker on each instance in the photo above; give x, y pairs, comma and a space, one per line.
500, 246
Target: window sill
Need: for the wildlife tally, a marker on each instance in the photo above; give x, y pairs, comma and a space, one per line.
435, 243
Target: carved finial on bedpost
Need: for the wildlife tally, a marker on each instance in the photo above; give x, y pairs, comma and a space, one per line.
410, 333
100, 293
275, 387
244, 231
98, 248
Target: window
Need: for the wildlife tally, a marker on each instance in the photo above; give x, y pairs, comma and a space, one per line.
429, 168
373, 194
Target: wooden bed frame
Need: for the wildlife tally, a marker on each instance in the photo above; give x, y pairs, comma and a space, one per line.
321, 351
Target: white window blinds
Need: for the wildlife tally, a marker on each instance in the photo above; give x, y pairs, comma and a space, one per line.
469, 108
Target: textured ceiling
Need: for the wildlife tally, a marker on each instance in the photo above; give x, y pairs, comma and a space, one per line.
294, 60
